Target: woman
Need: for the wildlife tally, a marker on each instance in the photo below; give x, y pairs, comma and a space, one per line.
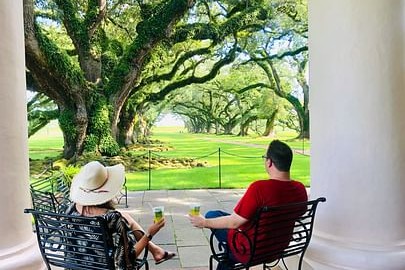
92, 192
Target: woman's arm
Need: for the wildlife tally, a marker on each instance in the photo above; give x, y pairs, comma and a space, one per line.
144, 238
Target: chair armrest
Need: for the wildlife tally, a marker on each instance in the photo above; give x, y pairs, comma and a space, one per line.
145, 252
221, 252
218, 250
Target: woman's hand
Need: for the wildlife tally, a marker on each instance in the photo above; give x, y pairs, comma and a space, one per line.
155, 227
197, 221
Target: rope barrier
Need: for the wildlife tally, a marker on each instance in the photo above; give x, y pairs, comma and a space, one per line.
150, 154
198, 157
235, 155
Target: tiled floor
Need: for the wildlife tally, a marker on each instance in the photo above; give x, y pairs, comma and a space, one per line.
191, 244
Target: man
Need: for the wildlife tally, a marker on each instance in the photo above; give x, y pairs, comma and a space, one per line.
278, 189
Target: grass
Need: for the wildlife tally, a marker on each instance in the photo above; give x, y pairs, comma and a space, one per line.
46, 143
241, 161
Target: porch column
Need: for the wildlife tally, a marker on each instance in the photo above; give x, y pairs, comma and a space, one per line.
358, 133
18, 247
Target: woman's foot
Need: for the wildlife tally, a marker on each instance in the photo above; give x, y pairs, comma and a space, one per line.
166, 255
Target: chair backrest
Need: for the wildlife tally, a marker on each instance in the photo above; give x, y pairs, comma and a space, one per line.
72, 242
50, 194
123, 194
280, 231
43, 201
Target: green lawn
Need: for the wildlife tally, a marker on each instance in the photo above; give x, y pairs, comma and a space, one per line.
241, 161
46, 143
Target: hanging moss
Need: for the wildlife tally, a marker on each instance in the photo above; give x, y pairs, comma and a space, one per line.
108, 146
99, 137
59, 60
67, 124
153, 28
91, 143
79, 29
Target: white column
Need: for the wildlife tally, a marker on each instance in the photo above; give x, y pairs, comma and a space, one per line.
18, 247
358, 133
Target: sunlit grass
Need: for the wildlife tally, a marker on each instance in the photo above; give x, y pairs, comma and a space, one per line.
46, 143
241, 161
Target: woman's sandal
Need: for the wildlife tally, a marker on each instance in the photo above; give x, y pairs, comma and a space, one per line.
167, 256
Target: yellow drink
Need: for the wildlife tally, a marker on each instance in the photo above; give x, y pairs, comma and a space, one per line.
194, 210
158, 213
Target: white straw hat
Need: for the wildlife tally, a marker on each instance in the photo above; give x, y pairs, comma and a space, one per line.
96, 184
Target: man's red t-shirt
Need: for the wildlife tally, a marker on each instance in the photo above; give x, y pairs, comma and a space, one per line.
263, 193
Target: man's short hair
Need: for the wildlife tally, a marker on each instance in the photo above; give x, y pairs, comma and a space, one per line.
280, 154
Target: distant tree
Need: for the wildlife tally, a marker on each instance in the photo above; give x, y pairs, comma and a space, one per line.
230, 104
281, 51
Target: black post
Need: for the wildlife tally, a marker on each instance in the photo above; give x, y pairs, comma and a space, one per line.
149, 171
219, 167
303, 137
303, 147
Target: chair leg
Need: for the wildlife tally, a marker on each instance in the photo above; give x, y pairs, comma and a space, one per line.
300, 262
299, 267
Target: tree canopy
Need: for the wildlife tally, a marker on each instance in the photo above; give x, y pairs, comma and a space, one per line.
105, 64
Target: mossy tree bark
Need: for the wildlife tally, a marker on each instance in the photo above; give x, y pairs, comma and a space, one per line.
268, 131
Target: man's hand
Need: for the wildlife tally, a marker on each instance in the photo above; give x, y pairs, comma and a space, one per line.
197, 221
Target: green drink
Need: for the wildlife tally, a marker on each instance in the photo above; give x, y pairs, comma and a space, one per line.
194, 209
158, 213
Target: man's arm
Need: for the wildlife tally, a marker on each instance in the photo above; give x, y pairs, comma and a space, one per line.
232, 221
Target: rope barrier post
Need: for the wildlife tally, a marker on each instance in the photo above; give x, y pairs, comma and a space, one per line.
149, 170
219, 167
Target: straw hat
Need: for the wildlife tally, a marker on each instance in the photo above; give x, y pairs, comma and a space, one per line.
96, 184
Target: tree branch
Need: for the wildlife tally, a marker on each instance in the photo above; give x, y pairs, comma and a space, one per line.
252, 86
180, 61
95, 21
50, 69
278, 55
250, 18
193, 79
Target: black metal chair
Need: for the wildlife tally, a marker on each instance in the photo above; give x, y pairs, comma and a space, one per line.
278, 232
76, 242
123, 194
50, 194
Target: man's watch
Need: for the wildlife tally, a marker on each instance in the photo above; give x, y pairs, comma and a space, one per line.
149, 236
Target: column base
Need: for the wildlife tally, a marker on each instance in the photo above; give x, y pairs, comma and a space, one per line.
331, 254
25, 256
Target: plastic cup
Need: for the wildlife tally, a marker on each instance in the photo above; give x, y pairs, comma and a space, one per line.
195, 209
158, 213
